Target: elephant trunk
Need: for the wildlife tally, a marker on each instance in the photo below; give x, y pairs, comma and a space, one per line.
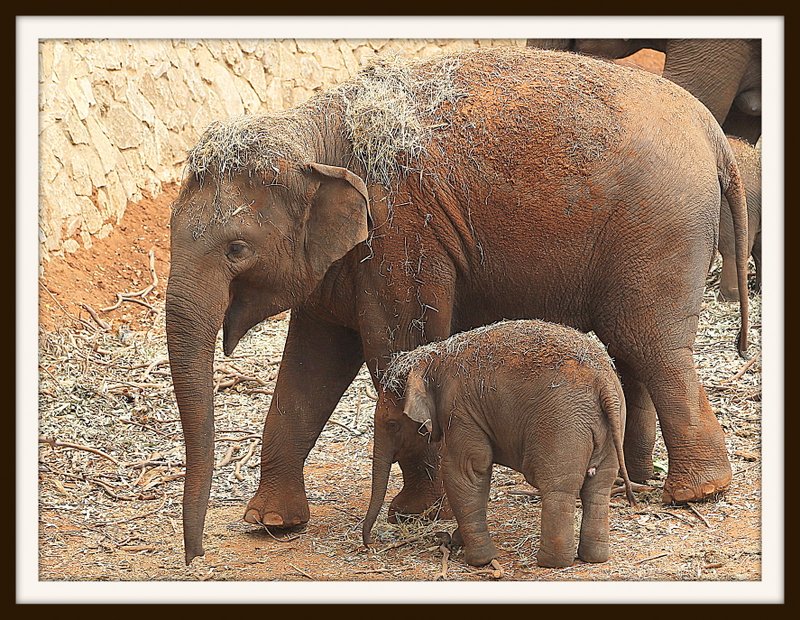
382, 460
192, 325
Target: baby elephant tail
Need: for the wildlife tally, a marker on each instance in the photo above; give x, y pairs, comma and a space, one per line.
612, 401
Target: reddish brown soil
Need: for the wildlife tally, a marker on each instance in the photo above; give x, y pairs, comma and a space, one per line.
117, 264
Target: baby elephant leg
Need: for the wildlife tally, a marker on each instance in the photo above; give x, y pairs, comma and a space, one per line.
467, 480
557, 547
595, 497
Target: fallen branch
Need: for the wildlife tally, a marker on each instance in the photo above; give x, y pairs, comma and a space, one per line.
699, 516
674, 516
442, 575
288, 539
356, 433
132, 296
400, 543
381, 570
100, 322
154, 365
64, 310
228, 457
302, 572
743, 369
237, 470
111, 491
652, 557
134, 548
744, 469
139, 516
74, 446
496, 572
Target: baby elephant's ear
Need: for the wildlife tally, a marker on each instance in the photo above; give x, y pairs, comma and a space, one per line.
419, 404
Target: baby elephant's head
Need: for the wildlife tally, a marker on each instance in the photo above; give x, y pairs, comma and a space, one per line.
399, 425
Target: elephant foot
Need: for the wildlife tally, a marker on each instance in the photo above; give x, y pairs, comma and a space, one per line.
698, 461
418, 503
480, 555
546, 559
279, 512
680, 491
593, 551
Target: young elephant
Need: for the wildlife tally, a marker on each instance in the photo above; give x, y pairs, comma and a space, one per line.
537, 397
748, 158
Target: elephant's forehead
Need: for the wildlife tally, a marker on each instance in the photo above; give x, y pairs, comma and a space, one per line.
212, 205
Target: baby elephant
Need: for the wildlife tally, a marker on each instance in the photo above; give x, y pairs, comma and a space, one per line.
537, 397
748, 158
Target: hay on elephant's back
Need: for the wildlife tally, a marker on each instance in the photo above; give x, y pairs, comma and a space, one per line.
388, 113
530, 344
391, 110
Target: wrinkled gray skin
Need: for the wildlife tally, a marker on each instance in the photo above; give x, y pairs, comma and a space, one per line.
725, 74
748, 158
540, 398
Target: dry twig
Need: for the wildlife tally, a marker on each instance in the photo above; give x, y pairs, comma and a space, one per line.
743, 369
74, 446
92, 313
138, 297
699, 516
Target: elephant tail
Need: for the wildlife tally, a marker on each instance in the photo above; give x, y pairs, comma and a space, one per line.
730, 181
612, 400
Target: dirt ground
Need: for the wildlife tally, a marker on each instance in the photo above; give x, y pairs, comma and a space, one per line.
110, 501
111, 454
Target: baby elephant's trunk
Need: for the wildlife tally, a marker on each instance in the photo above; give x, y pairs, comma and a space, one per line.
613, 403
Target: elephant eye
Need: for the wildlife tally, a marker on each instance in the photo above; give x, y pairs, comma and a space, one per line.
238, 250
393, 426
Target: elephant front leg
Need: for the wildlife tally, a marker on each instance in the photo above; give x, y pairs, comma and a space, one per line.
425, 317
319, 362
467, 477
423, 490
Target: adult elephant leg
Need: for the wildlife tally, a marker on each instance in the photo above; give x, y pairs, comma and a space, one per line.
319, 362
640, 426
655, 339
698, 462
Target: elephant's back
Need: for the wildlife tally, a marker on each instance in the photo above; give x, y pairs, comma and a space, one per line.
531, 111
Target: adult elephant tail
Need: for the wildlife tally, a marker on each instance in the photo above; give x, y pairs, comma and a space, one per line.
732, 187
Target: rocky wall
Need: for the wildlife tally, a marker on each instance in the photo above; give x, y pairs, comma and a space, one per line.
116, 117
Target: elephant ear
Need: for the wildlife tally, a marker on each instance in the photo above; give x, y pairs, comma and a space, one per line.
419, 404
340, 216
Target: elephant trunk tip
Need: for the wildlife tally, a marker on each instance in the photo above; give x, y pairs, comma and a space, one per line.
192, 553
366, 536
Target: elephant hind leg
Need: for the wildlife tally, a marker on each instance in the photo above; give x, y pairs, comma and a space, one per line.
640, 427
698, 460
595, 498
